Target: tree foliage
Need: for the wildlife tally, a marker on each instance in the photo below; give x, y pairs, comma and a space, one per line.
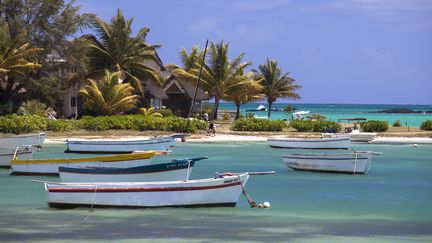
107, 96
276, 83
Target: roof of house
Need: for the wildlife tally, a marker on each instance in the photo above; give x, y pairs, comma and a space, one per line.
153, 90
177, 85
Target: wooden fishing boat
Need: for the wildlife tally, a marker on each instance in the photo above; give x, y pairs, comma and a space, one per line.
19, 140
348, 163
355, 136
221, 191
310, 143
178, 169
122, 145
51, 166
23, 152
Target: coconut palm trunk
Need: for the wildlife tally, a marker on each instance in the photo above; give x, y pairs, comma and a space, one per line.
270, 104
215, 108
238, 110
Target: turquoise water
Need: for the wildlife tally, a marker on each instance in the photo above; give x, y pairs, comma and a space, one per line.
393, 203
336, 111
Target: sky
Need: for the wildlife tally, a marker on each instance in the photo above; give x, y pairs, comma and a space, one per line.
339, 51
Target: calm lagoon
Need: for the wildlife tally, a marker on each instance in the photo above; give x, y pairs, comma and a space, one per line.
392, 203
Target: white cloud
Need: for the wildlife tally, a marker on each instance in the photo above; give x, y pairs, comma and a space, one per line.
203, 25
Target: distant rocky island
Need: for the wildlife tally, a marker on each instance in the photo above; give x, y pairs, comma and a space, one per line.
402, 111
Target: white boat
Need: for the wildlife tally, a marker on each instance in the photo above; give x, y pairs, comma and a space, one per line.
19, 140
23, 152
179, 169
348, 163
310, 143
355, 135
218, 191
120, 145
298, 115
51, 166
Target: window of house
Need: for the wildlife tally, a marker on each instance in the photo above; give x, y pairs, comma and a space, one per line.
73, 101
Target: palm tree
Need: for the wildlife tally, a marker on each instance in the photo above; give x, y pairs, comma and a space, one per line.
15, 65
108, 96
115, 47
150, 112
219, 72
276, 85
248, 90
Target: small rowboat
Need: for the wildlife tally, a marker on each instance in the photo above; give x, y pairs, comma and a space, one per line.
121, 145
178, 169
23, 152
310, 143
221, 191
51, 166
19, 140
348, 163
355, 136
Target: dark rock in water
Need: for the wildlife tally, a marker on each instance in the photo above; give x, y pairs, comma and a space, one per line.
401, 111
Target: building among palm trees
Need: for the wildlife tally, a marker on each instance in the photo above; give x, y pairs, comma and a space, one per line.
180, 94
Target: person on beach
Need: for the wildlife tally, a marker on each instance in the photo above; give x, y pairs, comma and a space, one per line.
211, 128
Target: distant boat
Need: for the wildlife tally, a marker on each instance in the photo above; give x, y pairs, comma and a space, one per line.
176, 170
355, 136
299, 115
23, 152
122, 145
51, 166
219, 191
310, 143
347, 163
19, 140
259, 108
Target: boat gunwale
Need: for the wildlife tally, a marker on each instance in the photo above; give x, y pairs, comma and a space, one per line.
336, 139
106, 158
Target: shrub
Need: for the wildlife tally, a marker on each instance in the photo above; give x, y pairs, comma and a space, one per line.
22, 124
254, 124
225, 116
326, 126
316, 117
374, 126
61, 125
289, 108
165, 112
207, 108
426, 125
301, 125
397, 123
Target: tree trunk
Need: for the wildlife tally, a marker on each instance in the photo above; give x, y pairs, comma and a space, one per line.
238, 111
269, 109
215, 108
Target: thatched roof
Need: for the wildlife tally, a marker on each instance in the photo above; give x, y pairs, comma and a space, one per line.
153, 91
186, 87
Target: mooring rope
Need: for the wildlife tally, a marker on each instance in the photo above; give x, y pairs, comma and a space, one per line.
251, 202
355, 163
90, 211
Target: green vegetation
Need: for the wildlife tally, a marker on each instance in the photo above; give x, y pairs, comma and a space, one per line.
31, 123
258, 125
374, 126
108, 96
426, 125
275, 83
316, 117
397, 123
150, 112
315, 126
225, 116
34, 107
289, 108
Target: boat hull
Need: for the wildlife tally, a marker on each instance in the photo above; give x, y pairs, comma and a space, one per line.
51, 166
310, 143
355, 137
158, 172
119, 146
329, 163
7, 156
20, 140
194, 193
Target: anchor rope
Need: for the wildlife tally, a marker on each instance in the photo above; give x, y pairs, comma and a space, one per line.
251, 202
91, 210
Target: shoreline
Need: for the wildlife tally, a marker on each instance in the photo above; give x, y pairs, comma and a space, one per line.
236, 137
